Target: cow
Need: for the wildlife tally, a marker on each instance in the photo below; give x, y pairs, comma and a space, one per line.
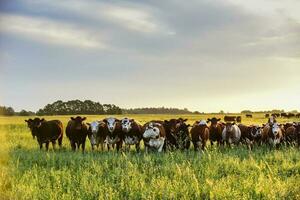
154, 136
275, 114
200, 134
283, 114
298, 115
272, 134
290, 115
249, 115
182, 136
215, 130
239, 119
170, 127
272, 120
245, 133
231, 134
267, 115
291, 134
256, 134
230, 118
97, 133
77, 132
46, 131
132, 132
297, 126
114, 132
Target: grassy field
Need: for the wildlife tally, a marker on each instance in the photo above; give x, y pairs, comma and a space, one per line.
218, 173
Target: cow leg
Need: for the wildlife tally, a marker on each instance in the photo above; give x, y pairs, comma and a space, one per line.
73, 145
203, 145
60, 142
47, 146
211, 143
137, 147
53, 144
195, 146
41, 145
82, 147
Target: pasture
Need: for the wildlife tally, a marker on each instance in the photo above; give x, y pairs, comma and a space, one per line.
217, 173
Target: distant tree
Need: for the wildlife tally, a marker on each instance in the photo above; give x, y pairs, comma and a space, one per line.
246, 111
77, 107
26, 113
221, 112
7, 111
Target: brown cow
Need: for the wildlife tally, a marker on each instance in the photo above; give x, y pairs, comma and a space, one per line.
132, 133
182, 136
249, 115
77, 132
256, 134
272, 134
114, 132
154, 136
267, 115
230, 118
200, 134
291, 134
46, 131
215, 130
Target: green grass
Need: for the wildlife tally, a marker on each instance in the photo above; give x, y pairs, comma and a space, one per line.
218, 173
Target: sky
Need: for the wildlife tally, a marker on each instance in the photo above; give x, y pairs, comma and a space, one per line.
204, 55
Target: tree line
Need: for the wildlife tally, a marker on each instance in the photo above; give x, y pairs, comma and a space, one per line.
77, 107
160, 110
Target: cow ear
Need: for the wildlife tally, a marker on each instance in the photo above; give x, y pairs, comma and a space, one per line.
208, 120
166, 121
42, 120
117, 120
84, 118
219, 119
72, 118
188, 125
88, 124
184, 120
131, 120
104, 120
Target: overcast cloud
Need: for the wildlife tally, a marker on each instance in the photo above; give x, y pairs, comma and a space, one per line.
205, 55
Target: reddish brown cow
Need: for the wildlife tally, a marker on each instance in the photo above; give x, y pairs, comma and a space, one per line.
77, 132
200, 134
272, 134
46, 131
215, 130
154, 136
291, 134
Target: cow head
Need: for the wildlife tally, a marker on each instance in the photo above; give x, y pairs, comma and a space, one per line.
152, 130
214, 122
256, 131
78, 122
126, 124
172, 124
111, 123
229, 127
34, 124
275, 133
93, 131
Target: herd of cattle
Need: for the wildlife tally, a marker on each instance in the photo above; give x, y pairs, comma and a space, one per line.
161, 135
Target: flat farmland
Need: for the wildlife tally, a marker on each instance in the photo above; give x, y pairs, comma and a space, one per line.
217, 173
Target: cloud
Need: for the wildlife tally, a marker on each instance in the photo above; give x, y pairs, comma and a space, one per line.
126, 15
49, 31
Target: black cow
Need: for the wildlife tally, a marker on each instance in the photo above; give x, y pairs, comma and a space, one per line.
46, 131
114, 132
249, 116
77, 132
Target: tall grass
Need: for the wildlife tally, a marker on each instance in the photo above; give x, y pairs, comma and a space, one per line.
218, 173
